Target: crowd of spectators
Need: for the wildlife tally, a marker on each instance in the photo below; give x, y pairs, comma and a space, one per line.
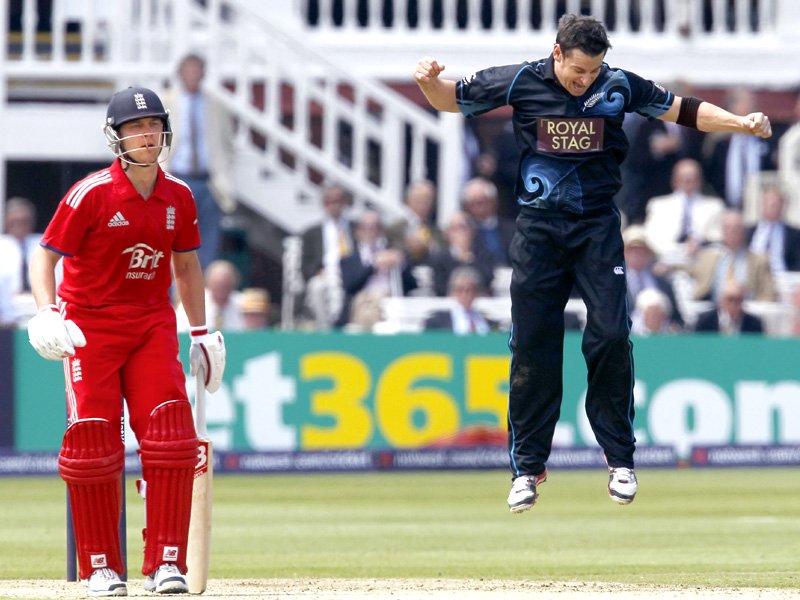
699, 235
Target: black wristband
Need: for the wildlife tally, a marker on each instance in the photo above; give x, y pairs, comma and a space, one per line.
687, 115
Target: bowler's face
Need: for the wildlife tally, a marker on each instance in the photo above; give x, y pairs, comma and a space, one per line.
575, 70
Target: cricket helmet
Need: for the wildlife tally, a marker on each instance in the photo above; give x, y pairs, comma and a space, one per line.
128, 105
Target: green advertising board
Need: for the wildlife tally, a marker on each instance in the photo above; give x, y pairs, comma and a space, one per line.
302, 391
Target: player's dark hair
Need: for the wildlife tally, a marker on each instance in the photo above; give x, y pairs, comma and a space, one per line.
587, 34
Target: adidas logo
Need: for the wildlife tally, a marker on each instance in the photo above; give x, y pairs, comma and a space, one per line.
118, 220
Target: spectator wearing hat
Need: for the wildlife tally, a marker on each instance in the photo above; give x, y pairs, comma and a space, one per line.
254, 304
643, 272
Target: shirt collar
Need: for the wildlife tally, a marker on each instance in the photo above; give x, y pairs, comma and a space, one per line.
124, 189
549, 69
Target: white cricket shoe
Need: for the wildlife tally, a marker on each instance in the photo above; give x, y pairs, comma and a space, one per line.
105, 582
523, 493
167, 579
622, 485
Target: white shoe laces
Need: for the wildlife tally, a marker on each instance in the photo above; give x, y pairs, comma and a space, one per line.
623, 475
104, 574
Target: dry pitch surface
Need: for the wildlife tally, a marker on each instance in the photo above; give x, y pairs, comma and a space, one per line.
409, 589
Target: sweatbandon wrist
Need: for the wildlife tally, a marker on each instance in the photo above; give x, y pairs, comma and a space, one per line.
198, 331
687, 115
52, 307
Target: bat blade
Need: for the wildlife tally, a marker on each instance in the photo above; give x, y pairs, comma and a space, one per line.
199, 544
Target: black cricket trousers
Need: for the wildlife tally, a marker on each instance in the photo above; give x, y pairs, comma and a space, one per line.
549, 253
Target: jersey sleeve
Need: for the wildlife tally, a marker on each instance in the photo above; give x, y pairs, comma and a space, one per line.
486, 90
187, 235
73, 218
648, 98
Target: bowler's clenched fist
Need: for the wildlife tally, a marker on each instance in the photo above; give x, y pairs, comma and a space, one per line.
427, 70
759, 125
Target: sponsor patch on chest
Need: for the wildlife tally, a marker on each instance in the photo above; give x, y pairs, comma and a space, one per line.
569, 135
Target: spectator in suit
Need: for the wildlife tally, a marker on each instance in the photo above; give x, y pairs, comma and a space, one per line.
202, 152
372, 272
654, 147
731, 158
416, 233
460, 251
462, 318
17, 244
492, 233
643, 272
20, 239
679, 223
772, 236
729, 317
732, 259
324, 245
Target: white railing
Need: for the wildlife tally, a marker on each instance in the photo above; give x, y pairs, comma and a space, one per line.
320, 121
302, 118
522, 17
703, 42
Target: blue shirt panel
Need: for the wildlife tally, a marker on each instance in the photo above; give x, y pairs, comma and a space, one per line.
564, 181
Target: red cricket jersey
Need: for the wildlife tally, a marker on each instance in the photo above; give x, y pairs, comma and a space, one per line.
117, 245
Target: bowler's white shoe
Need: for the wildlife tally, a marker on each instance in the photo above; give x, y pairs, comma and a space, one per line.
105, 582
167, 579
622, 485
523, 492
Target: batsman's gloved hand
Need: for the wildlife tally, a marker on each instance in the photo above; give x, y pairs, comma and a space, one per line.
207, 353
53, 337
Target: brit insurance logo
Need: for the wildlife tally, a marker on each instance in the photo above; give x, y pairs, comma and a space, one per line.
144, 261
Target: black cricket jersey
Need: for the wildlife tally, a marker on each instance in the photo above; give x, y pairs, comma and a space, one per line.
571, 147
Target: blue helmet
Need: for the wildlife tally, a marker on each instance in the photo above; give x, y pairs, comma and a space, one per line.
134, 103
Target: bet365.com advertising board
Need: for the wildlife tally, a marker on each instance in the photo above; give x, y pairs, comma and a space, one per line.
299, 392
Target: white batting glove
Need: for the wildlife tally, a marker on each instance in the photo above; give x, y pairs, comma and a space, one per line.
207, 353
53, 337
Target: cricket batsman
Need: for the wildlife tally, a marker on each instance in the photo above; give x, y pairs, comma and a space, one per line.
121, 232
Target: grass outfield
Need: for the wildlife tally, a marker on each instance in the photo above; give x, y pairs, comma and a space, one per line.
707, 528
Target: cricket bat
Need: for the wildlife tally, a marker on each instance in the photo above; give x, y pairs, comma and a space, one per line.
199, 545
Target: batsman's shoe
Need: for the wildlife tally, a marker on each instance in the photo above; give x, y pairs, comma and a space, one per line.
105, 582
622, 485
167, 579
523, 493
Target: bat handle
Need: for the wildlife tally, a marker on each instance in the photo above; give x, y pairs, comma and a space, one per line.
200, 403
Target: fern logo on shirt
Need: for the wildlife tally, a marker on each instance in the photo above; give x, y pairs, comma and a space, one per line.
143, 262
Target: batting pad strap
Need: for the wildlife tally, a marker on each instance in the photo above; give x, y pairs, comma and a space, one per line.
169, 453
687, 114
91, 461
